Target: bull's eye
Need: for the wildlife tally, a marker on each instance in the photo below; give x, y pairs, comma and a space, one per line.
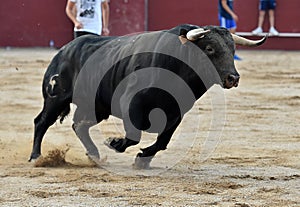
209, 50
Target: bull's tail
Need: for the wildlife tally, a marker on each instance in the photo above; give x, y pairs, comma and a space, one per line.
64, 113
55, 91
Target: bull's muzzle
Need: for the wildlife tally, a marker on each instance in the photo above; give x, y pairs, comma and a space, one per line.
231, 81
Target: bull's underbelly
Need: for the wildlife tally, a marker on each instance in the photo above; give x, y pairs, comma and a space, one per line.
150, 110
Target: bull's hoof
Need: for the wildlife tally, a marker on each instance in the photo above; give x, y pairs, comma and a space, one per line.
114, 144
142, 163
33, 157
96, 160
119, 144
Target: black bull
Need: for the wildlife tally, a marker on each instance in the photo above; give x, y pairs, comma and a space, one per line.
131, 77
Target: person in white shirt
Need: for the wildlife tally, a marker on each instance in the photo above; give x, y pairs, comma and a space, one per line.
88, 16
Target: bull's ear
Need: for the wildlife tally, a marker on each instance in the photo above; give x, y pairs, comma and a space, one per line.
182, 36
183, 32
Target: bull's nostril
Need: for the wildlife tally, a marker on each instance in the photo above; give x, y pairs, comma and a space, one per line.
231, 78
236, 82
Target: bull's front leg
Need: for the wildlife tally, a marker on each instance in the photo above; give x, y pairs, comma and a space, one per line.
132, 137
143, 159
119, 144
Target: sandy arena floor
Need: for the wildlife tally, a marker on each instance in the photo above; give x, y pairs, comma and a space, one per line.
255, 161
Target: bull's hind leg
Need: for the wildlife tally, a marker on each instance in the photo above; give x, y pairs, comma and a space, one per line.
47, 117
143, 159
83, 121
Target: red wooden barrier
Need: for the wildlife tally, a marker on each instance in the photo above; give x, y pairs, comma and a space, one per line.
166, 14
27, 23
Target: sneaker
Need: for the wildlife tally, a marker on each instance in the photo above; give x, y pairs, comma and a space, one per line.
237, 57
273, 31
257, 31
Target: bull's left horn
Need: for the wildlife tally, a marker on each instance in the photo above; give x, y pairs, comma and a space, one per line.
196, 33
246, 42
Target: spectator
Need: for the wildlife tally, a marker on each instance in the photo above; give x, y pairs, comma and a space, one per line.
266, 5
88, 16
228, 18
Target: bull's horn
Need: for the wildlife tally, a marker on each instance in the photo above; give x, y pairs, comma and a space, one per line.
196, 33
246, 42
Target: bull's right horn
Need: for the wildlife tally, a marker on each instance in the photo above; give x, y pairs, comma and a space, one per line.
196, 33
246, 42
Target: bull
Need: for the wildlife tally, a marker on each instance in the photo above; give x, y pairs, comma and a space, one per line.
124, 77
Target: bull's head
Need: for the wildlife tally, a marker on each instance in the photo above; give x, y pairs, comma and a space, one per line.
219, 45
